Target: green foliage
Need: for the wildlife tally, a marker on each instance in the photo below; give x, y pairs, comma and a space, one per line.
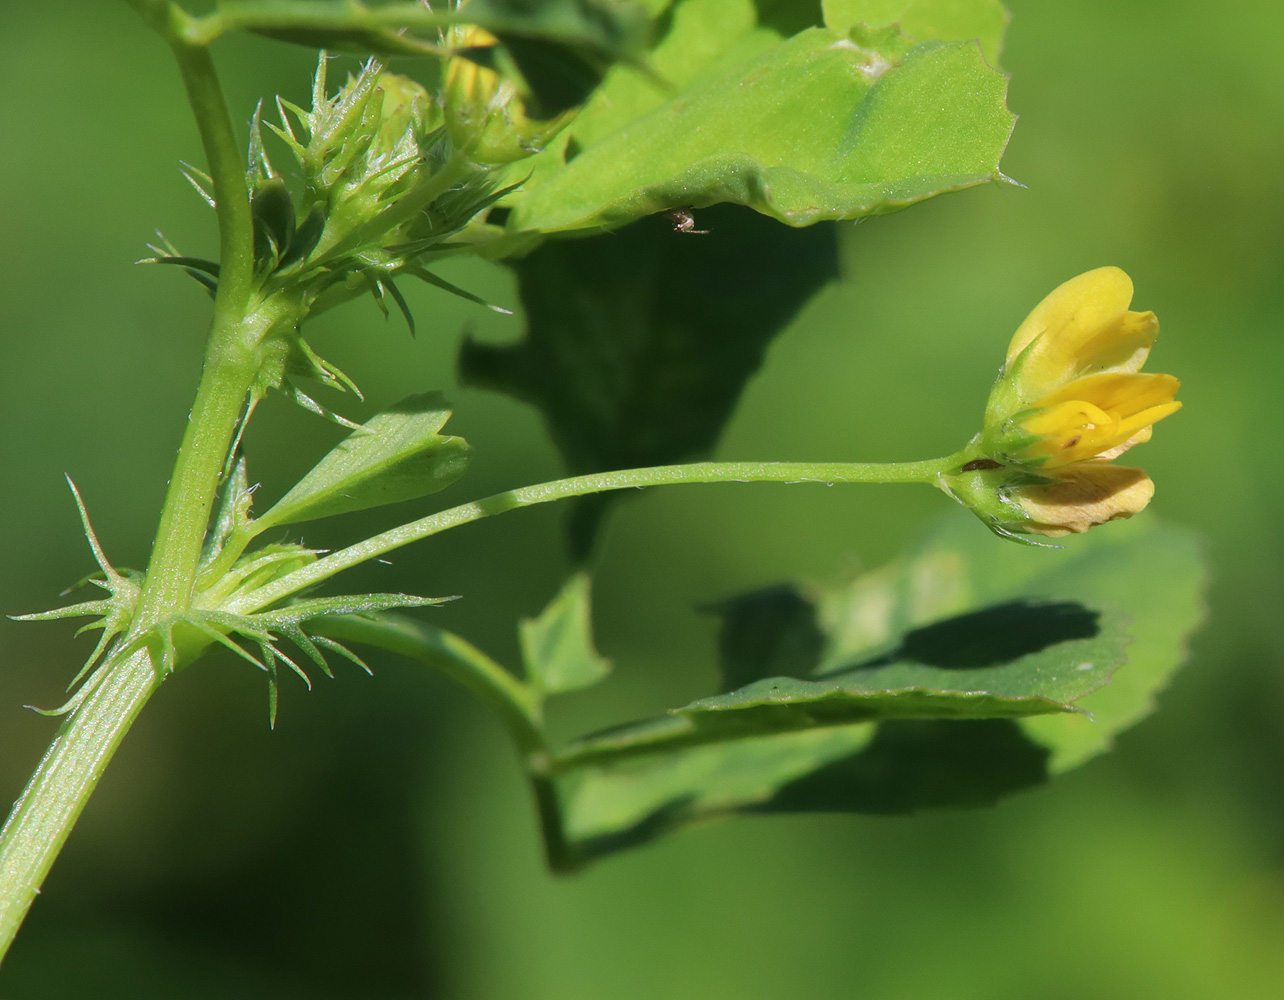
593, 30
966, 671
399, 454
828, 124
964, 628
983, 21
557, 647
638, 344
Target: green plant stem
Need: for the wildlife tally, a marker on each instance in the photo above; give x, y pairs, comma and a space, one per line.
517, 705
292, 15
43, 817
232, 359
563, 489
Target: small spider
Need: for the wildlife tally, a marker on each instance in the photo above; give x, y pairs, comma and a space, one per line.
684, 222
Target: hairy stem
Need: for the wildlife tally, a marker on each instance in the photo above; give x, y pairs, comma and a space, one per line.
43, 817
231, 360
562, 489
516, 704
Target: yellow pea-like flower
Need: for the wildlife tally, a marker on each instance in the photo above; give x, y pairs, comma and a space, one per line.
1072, 389
1071, 398
1094, 416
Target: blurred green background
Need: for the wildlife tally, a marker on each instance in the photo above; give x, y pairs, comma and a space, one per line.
380, 843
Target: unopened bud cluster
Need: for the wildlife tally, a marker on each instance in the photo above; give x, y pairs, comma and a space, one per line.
387, 178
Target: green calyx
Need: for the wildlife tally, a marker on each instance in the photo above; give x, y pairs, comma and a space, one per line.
990, 489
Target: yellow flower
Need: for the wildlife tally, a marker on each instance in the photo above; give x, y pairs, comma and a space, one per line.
1072, 389
1071, 398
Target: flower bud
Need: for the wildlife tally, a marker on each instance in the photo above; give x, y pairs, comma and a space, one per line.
404, 117
485, 114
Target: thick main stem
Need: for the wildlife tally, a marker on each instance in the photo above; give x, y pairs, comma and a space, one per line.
49, 807
231, 358
563, 489
43, 817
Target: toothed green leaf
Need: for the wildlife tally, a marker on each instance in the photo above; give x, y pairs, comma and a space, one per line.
397, 455
962, 626
557, 647
982, 21
827, 124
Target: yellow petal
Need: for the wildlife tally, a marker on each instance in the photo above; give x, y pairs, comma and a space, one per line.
1099, 416
1122, 392
1121, 346
1089, 301
1083, 327
1141, 437
1083, 496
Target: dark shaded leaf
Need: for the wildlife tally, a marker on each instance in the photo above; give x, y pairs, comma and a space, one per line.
638, 344
306, 237
558, 77
915, 764
1030, 606
615, 29
788, 17
273, 215
769, 633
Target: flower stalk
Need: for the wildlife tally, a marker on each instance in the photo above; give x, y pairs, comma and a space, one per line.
932, 472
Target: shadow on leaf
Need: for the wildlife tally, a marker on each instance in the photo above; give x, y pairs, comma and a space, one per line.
998, 634
922, 764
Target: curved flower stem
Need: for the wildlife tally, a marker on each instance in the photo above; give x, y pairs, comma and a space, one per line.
562, 489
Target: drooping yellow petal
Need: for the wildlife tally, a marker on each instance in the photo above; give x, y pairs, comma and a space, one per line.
1083, 327
1084, 496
